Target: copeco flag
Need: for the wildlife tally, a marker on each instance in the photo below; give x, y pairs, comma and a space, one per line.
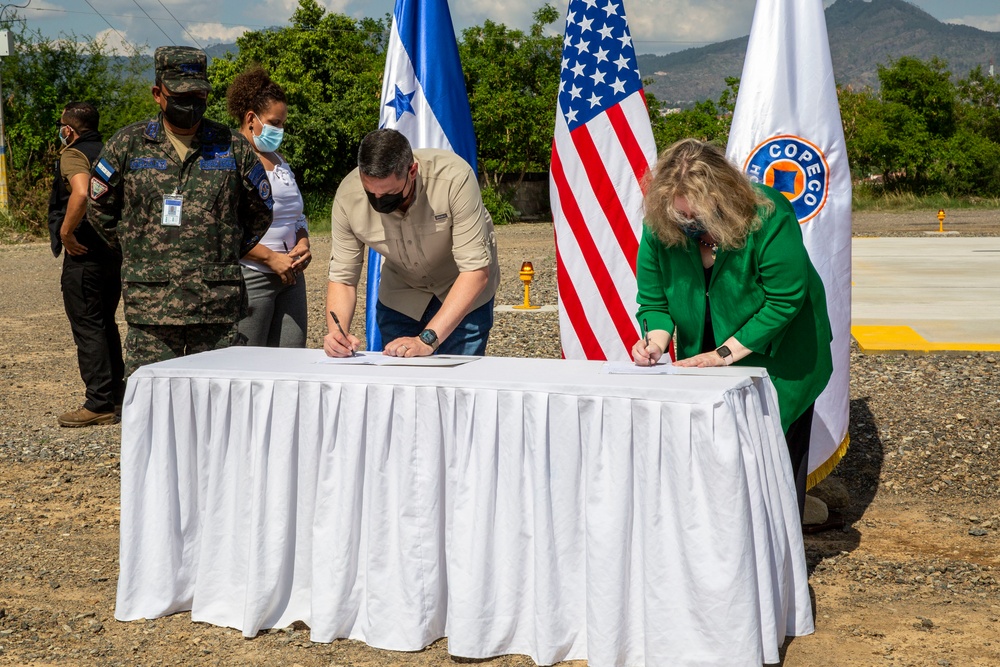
787, 133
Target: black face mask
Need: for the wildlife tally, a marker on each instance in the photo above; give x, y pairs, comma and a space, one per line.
185, 112
387, 203
693, 228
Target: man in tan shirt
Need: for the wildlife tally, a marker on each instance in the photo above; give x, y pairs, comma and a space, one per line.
423, 212
91, 272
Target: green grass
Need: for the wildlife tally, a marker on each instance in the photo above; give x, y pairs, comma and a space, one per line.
13, 229
318, 206
866, 199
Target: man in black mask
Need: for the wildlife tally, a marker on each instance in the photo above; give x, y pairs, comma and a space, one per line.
183, 198
91, 273
422, 211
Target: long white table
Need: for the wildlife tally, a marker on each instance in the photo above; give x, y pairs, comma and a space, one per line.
513, 505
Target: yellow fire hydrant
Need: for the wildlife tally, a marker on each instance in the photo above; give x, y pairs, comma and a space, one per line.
941, 220
526, 274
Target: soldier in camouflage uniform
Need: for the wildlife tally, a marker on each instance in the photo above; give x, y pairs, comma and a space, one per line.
183, 198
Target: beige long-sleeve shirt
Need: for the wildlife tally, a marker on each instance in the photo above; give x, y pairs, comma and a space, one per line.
444, 232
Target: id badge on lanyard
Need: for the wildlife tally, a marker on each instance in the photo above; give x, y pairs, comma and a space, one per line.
172, 205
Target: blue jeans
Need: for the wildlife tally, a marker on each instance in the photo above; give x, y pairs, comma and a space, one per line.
469, 337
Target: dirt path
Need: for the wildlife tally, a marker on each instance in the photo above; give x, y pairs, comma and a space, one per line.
905, 584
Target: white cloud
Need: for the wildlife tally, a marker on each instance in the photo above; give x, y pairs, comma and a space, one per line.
990, 23
216, 33
662, 26
512, 13
182, 22
115, 42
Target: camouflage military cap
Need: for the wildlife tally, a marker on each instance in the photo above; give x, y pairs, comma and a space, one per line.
182, 69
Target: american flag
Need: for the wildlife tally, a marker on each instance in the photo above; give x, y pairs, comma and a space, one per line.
602, 149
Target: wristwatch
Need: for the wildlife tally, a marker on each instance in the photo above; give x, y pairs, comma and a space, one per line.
723, 352
429, 337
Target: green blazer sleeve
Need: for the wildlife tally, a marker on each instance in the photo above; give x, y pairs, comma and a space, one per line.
783, 270
654, 306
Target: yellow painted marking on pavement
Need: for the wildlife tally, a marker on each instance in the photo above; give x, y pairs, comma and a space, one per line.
876, 339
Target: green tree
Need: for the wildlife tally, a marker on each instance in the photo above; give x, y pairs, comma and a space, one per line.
512, 78
881, 137
330, 67
924, 87
979, 104
39, 79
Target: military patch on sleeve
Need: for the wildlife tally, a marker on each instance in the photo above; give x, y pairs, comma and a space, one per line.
104, 168
256, 175
264, 190
98, 188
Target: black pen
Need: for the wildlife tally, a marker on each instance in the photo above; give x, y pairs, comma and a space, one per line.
645, 338
341, 330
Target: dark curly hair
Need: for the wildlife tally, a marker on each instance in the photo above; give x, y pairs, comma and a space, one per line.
254, 91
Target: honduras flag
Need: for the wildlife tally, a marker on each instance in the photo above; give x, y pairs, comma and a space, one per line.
423, 96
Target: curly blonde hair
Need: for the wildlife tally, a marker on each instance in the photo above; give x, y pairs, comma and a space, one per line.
721, 195
252, 90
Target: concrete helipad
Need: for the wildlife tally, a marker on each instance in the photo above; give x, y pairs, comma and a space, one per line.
926, 294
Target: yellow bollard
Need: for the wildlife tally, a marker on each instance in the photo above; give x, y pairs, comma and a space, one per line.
526, 274
941, 221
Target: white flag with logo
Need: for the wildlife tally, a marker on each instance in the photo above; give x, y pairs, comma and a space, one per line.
787, 133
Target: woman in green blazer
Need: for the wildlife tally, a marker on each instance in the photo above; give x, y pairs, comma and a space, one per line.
723, 271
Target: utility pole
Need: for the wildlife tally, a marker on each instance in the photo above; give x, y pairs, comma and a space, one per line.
6, 48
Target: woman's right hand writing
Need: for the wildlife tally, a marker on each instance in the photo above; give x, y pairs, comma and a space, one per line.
646, 355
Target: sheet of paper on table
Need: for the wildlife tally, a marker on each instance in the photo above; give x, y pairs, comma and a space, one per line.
630, 368
379, 359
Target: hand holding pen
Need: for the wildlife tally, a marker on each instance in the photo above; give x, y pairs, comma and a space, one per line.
334, 346
646, 352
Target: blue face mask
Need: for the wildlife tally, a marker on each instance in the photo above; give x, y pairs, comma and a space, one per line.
269, 138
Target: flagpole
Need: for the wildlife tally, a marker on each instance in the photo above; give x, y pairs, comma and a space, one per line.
423, 98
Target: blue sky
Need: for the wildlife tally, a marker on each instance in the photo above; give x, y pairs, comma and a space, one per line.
658, 26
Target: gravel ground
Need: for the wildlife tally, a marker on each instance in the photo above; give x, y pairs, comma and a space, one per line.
914, 578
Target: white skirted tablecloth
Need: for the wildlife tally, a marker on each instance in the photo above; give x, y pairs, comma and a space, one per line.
527, 506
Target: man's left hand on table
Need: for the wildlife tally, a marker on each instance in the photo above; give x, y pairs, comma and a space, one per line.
408, 347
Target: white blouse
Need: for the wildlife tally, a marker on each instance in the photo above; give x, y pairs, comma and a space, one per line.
288, 214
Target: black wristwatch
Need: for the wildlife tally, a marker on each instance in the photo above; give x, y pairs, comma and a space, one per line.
428, 337
723, 352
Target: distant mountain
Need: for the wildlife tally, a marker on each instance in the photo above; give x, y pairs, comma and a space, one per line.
863, 35
220, 50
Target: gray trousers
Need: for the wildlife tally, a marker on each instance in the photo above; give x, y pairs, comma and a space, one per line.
277, 312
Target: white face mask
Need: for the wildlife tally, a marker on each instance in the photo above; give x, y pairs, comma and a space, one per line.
269, 138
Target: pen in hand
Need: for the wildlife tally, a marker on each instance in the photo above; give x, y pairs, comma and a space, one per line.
645, 338
341, 330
